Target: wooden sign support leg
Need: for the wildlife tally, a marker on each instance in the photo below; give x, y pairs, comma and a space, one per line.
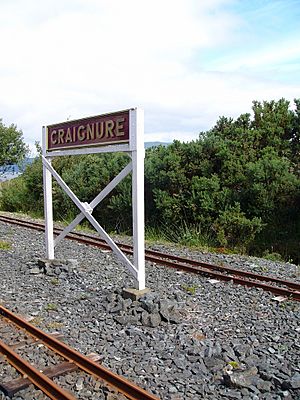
48, 209
138, 154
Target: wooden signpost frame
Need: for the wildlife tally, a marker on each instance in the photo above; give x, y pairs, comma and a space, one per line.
135, 149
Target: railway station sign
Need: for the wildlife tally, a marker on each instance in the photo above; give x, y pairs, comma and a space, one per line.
113, 132
93, 131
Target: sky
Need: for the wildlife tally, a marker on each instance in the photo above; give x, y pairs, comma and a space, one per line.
185, 62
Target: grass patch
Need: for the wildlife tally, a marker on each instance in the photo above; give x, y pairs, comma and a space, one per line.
272, 256
51, 307
234, 364
190, 289
5, 245
191, 236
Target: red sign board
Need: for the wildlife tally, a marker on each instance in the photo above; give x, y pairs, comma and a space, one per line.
93, 131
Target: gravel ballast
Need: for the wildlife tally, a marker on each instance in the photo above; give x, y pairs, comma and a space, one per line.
189, 338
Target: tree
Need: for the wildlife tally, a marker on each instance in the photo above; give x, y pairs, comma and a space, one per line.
12, 147
237, 186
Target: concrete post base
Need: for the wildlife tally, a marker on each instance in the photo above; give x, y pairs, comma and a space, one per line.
134, 294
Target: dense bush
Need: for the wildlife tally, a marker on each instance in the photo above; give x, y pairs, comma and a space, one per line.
237, 186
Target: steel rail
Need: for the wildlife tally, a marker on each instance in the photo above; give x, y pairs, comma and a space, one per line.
209, 270
129, 389
295, 295
160, 256
163, 259
40, 380
188, 265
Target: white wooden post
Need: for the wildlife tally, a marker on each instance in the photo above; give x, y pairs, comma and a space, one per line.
137, 155
48, 209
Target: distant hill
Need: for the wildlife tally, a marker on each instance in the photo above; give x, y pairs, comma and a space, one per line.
153, 144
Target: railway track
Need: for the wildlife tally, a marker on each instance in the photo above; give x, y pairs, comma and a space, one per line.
75, 359
224, 273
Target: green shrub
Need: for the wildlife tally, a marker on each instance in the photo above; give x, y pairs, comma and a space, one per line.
272, 256
236, 187
234, 230
12, 196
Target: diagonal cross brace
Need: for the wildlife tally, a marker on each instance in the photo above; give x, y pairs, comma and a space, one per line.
84, 210
125, 171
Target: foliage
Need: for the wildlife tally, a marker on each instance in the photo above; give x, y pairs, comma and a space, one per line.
13, 195
5, 245
51, 307
272, 256
236, 187
183, 234
234, 230
86, 176
239, 181
234, 364
12, 148
190, 289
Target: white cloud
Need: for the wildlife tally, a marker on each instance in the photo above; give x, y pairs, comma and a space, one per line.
67, 59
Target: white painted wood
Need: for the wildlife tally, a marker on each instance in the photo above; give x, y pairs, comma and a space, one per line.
135, 148
91, 219
48, 210
89, 150
125, 171
138, 153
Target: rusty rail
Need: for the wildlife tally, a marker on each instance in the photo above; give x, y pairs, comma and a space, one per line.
238, 276
36, 377
129, 389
